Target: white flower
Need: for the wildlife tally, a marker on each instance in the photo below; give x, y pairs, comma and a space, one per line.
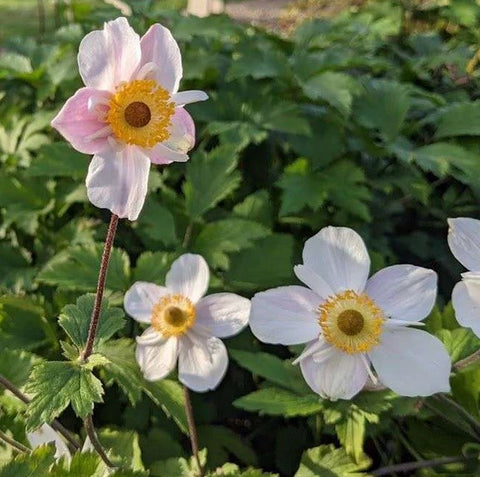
464, 242
350, 322
184, 325
46, 435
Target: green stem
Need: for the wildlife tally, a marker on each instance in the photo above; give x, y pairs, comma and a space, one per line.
422, 464
463, 363
17, 446
91, 433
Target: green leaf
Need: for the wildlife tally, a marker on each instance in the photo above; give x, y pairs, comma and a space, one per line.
169, 396
383, 107
16, 365
157, 222
278, 402
84, 464
285, 117
55, 385
327, 461
267, 264
257, 207
75, 320
124, 448
153, 266
77, 268
458, 119
16, 271
217, 239
179, 466
351, 433
210, 178
466, 388
35, 464
272, 368
460, 342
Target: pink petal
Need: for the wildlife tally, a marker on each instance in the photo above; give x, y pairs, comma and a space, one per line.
159, 47
117, 180
80, 125
109, 56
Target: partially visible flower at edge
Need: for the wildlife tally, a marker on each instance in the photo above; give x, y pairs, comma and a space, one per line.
350, 322
129, 114
464, 242
185, 325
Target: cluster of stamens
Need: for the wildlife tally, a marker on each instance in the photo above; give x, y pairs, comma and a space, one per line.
173, 315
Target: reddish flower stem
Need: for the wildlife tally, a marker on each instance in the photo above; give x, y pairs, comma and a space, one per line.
192, 429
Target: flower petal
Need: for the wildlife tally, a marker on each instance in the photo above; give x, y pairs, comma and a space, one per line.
411, 362
109, 56
79, 124
157, 360
117, 180
404, 292
45, 435
140, 299
150, 337
188, 97
159, 47
464, 241
339, 256
202, 362
285, 315
466, 303
161, 154
223, 314
338, 376
314, 281
189, 276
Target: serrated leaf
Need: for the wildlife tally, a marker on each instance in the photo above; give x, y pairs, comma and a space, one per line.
75, 320
123, 446
82, 464
217, 239
35, 464
326, 461
153, 266
77, 268
55, 385
257, 207
277, 402
459, 343
351, 433
210, 178
458, 119
157, 222
16, 365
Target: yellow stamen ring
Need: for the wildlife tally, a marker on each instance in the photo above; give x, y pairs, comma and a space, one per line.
173, 315
140, 113
351, 322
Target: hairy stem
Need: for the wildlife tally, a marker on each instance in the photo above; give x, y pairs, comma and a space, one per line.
463, 363
17, 446
91, 433
102, 275
421, 464
73, 443
192, 429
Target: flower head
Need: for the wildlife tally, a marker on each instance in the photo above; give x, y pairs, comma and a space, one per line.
185, 325
351, 323
129, 113
464, 242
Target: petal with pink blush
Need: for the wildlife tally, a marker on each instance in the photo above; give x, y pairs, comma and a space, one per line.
109, 56
159, 47
117, 180
80, 124
162, 154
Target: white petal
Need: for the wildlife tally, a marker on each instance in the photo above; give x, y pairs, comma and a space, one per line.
157, 360
466, 303
162, 154
464, 241
45, 435
338, 376
109, 56
159, 47
411, 362
189, 276
404, 292
339, 256
140, 299
285, 315
202, 361
187, 97
313, 281
223, 314
150, 337
117, 180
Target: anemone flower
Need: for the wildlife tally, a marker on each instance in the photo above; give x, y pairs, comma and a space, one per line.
185, 325
129, 113
351, 323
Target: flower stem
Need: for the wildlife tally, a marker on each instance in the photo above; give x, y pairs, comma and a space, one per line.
422, 464
192, 429
91, 433
55, 424
15, 444
463, 363
92, 331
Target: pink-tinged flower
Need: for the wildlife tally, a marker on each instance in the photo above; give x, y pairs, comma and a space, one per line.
464, 242
129, 113
185, 325
350, 322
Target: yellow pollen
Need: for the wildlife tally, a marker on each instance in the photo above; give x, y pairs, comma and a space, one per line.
173, 315
351, 322
140, 113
